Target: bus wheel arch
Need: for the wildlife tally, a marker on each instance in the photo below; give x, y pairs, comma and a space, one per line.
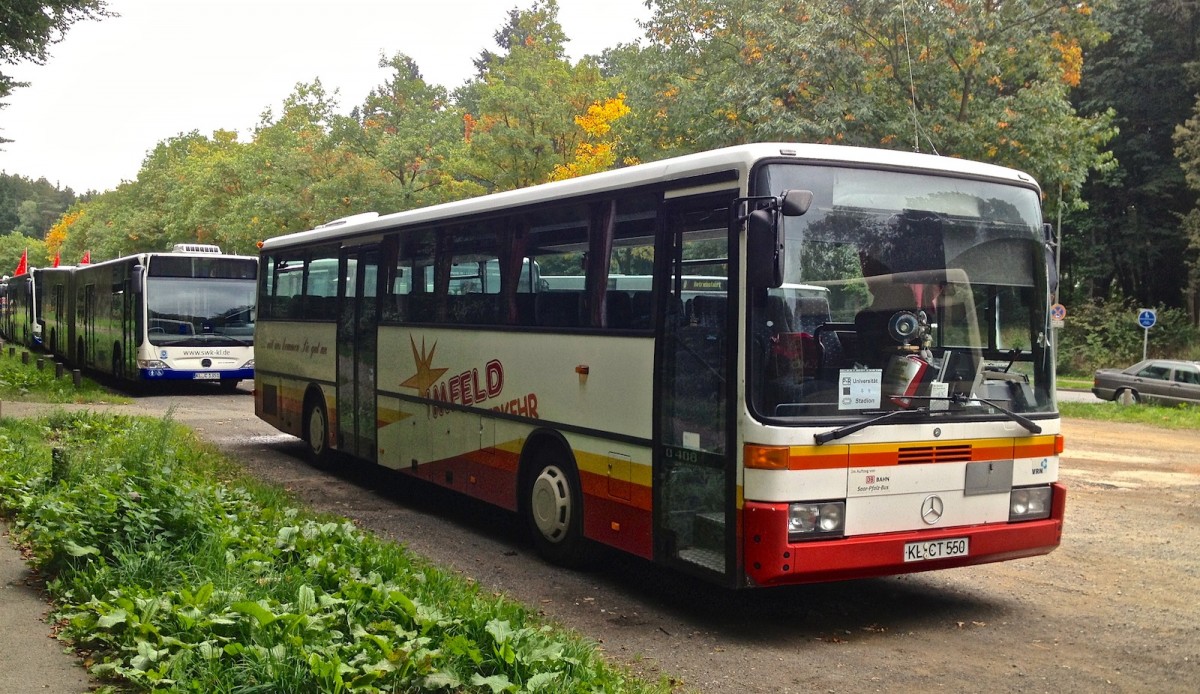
551, 500
315, 427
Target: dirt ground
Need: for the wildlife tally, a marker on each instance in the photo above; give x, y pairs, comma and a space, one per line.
1113, 609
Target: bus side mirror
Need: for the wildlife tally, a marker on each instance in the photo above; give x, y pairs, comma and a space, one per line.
138, 280
764, 237
796, 202
764, 249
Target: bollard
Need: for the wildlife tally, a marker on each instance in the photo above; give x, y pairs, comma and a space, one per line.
58, 465
59, 369
11, 350
24, 357
77, 377
41, 363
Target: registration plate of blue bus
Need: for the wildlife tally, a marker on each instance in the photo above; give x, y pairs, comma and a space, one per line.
937, 549
206, 376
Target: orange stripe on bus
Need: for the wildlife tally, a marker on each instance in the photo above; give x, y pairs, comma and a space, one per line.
918, 452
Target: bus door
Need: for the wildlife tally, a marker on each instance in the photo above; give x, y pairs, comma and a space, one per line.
87, 341
357, 341
694, 478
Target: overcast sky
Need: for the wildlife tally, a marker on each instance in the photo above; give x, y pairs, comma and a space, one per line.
115, 88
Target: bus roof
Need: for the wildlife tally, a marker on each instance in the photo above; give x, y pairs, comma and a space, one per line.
690, 166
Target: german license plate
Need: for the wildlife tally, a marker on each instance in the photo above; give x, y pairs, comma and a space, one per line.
937, 549
206, 376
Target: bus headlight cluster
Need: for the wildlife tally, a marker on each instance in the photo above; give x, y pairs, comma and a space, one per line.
151, 364
248, 365
816, 520
1029, 503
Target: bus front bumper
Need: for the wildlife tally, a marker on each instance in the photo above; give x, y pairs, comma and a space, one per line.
190, 375
771, 560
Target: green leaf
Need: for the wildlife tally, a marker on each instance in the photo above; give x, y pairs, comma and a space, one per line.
497, 683
253, 609
77, 551
112, 619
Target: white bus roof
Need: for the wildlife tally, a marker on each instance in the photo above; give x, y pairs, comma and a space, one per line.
740, 158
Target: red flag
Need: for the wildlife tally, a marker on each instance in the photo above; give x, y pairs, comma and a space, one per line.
57, 259
23, 265
87, 258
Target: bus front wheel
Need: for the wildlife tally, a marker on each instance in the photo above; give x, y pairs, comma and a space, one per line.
316, 430
554, 511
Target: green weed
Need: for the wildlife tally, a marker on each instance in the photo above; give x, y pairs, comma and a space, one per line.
179, 576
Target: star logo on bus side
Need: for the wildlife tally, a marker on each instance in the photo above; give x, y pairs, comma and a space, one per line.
426, 375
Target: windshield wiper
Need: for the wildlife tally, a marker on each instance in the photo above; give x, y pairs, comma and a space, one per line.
840, 432
1030, 425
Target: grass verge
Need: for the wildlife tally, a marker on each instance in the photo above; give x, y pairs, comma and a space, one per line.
25, 381
170, 572
1178, 417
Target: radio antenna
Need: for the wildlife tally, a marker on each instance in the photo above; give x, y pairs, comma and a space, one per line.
912, 85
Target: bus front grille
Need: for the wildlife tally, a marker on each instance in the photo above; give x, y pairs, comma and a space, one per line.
957, 453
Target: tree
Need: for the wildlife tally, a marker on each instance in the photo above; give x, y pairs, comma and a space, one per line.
1187, 151
520, 121
410, 130
982, 79
28, 29
1129, 241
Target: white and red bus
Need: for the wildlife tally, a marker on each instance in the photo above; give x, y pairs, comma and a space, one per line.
749, 425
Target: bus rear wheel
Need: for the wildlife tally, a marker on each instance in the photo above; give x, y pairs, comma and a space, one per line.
553, 503
316, 431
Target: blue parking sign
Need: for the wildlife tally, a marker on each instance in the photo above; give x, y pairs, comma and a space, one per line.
1147, 317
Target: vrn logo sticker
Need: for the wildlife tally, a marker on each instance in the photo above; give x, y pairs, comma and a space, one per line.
1041, 469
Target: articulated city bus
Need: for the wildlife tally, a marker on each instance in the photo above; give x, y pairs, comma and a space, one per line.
181, 315
762, 365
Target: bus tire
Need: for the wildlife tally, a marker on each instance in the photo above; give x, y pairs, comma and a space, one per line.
228, 385
553, 504
316, 430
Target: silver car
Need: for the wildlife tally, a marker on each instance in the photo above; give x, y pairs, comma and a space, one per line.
1165, 381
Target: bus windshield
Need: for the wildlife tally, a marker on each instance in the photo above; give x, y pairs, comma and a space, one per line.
926, 293
190, 312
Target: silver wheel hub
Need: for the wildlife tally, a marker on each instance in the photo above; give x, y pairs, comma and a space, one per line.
550, 504
316, 430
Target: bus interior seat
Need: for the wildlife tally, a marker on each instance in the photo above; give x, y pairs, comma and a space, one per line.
642, 310
811, 313
708, 311
559, 309
779, 316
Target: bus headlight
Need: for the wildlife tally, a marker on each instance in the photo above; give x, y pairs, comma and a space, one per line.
1029, 503
816, 520
248, 365
151, 364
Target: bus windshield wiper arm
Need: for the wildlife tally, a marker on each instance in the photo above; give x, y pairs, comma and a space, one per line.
960, 399
840, 432
1030, 425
